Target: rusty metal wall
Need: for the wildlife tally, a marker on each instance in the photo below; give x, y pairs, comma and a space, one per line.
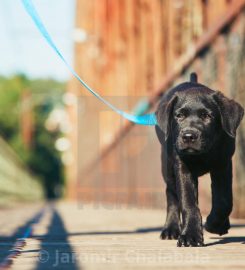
130, 46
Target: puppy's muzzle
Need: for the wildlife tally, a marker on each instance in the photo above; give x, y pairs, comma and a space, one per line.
190, 136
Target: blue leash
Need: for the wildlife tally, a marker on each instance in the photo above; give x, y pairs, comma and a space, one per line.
147, 119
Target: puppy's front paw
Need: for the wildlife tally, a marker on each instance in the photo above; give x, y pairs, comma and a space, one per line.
170, 232
191, 239
217, 226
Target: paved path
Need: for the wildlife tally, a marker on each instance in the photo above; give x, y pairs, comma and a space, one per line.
72, 236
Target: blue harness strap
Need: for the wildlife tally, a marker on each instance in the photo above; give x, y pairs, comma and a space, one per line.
147, 119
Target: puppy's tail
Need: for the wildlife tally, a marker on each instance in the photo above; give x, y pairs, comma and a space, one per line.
193, 77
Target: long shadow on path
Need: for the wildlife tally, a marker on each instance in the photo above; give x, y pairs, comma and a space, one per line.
137, 231
227, 240
55, 251
8, 242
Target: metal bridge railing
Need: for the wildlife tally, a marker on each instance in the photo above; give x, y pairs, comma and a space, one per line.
16, 183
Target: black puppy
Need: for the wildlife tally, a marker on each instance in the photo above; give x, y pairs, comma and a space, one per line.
197, 129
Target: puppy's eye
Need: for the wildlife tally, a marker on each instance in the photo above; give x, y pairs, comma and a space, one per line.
205, 115
180, 115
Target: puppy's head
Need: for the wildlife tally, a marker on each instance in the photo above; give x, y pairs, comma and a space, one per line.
196, 117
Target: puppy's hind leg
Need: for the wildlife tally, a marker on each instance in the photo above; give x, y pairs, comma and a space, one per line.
218, 220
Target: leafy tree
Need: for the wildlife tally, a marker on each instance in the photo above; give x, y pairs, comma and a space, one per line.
41, 158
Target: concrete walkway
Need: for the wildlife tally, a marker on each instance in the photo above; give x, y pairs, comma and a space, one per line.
75, 236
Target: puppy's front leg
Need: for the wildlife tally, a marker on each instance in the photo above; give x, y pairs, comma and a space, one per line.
187, 189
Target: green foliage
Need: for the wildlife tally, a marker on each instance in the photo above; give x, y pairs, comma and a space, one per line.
42, 158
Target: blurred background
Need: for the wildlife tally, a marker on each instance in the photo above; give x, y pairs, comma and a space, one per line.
57, 141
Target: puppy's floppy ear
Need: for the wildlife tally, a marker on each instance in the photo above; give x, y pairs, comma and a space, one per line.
164, 115
230, 111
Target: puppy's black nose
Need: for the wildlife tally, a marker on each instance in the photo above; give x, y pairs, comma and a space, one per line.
189, 137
